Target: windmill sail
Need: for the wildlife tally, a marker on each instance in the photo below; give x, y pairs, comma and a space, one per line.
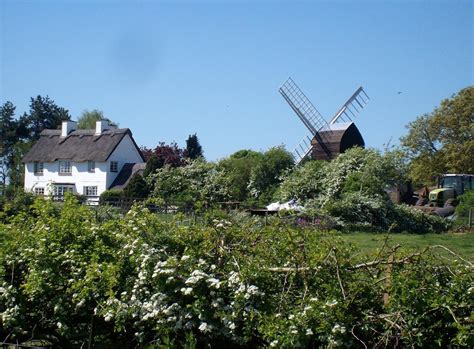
310, 117
352, 107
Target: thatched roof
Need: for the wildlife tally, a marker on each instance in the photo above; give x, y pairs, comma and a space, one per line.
126, 173
79, 145
337, 140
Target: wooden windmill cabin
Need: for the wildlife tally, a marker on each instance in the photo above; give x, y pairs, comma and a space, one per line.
327, 139
341, 137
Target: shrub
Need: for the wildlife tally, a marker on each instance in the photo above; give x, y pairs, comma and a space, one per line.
141, 281
136, 188
111, 195
465, 202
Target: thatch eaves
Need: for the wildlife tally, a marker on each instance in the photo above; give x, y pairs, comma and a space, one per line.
78, 146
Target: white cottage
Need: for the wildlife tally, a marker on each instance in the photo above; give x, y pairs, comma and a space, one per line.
85, 162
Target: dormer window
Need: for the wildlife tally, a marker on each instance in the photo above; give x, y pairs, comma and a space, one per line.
65, 167
113, 166
38, 168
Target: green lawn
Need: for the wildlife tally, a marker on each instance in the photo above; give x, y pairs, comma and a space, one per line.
462, 244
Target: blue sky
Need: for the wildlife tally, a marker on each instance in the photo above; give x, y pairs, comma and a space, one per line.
167, 69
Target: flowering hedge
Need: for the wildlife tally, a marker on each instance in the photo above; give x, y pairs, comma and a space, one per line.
72, 277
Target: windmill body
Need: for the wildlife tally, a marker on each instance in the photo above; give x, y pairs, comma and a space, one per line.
327, 139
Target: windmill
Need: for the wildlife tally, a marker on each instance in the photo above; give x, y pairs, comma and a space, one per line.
327, 139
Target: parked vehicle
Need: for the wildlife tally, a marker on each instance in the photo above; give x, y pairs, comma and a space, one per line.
450, 186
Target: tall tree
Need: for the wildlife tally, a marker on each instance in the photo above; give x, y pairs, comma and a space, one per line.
44, 114
8, 127
88, 119
443, 140
193, 147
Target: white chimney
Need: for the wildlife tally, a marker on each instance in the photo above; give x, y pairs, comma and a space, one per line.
67, 127
101, 125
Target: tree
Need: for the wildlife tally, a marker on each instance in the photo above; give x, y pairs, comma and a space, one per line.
137, 187
443, 140
238, 168
44, 114
166, 154
8, 126
265, 176
88, 119
193, 148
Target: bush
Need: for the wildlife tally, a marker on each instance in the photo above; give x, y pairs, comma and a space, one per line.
465, 202
111, 195
142, 281
362, 212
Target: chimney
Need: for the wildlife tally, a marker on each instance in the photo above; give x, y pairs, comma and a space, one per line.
67, 127
101, 125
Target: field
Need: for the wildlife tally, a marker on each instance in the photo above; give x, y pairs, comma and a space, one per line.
462, 244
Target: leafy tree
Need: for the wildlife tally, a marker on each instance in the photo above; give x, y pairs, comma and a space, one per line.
198, 182
137, 187
193, 147
443, 140
7, 139
166, 154
8, 127
265, 176
363, 171
43, 114
238, 168
16, 171
88, 119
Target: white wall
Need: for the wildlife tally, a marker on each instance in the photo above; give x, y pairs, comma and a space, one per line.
79, 176
126, 152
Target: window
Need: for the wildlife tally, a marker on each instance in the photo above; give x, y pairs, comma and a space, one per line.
38, 168
91, 166
65, 167
90, 191
39, 191
60, 190
113, 166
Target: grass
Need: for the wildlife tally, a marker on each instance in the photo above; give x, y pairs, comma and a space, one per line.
462, 244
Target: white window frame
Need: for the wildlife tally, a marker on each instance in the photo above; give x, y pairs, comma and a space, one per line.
65, 167
38, 168
39, 191
114, 166
91, 166
60, 189
90, 190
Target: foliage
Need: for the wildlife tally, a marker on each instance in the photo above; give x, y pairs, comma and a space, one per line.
17, 136
43, 114
20, 203
355, 211
7, 128
465, 203
137, 187
364, 171
443, 140
165, 154
198, 182
237, 169
193, 148
137, 280
112, 195
88, 119
265, 176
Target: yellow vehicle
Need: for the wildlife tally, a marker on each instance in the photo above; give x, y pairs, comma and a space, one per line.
450, 186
